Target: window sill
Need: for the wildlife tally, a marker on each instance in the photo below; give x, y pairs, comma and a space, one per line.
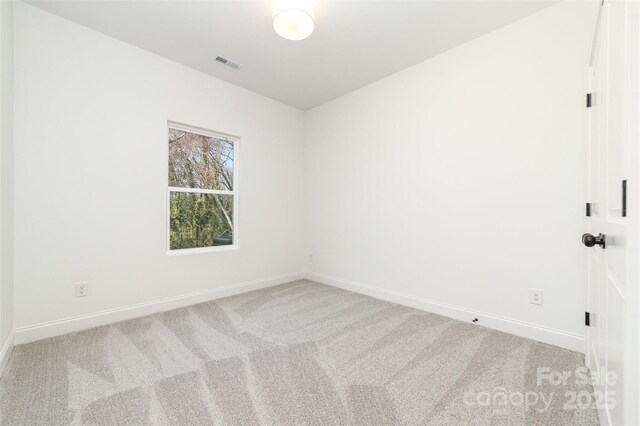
202, 250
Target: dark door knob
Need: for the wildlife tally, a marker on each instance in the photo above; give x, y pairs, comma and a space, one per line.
590, 241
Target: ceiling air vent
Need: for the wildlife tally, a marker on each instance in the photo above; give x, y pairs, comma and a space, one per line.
224, 61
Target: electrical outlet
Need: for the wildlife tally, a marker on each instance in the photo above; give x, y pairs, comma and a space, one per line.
82, 289
535, 296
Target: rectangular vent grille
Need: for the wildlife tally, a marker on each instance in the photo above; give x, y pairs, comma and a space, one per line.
224, 61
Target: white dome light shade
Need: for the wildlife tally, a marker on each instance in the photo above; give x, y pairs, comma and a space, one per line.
293, 19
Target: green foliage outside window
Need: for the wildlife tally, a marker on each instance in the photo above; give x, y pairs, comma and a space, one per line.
199, 163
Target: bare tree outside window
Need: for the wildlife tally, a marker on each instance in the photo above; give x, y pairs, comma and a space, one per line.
201, 190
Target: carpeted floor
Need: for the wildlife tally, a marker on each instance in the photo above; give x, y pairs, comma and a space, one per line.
299, 353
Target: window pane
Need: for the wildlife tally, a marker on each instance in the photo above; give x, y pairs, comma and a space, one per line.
200, 220
197, 161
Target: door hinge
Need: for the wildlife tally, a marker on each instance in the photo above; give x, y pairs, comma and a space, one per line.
587, 319
588, 100
588, 209
624, 198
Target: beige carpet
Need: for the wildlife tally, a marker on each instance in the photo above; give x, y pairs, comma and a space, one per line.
299, 353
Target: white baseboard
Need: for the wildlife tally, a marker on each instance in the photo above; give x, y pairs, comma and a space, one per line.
5, 353
551, 336
72, 324
31, 333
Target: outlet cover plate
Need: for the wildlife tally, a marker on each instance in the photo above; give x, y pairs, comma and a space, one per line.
82, 289
535, 296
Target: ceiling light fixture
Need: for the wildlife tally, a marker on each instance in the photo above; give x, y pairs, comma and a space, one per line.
293, 19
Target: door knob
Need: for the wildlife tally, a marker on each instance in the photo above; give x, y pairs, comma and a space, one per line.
590, 241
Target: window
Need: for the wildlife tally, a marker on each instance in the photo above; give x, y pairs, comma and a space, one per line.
201, 191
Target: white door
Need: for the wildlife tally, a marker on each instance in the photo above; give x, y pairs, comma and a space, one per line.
613, 287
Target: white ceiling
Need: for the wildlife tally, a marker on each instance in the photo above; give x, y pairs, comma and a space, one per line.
355, 42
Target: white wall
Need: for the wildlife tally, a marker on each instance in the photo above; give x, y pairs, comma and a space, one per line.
6, 180
91, 172
455, 185
460, 182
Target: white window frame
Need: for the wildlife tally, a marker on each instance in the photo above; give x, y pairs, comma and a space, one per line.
236, 235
